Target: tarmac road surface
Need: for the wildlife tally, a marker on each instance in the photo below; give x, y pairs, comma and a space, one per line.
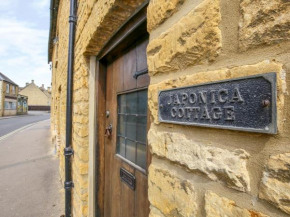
9, 124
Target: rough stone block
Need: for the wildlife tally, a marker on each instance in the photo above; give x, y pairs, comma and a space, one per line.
216, 206
229, 167
193, 40
159, 10
154, 212
264, 22
171, 195
275, 185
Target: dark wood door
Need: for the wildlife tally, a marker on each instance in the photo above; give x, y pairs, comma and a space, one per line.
126, 152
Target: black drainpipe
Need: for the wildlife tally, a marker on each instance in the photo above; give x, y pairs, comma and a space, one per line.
68, 151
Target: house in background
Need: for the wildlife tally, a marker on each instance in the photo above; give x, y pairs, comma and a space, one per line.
38, 97
8, 96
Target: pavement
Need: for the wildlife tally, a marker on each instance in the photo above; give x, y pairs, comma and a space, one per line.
10, 123
29, 180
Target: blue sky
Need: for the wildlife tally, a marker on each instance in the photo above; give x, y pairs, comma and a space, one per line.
24, 28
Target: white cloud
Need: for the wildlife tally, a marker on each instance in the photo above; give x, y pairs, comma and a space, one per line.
4, 4
40, 6
23, 51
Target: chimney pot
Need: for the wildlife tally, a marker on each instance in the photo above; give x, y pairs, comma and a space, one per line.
27, 84
42, 86
32, 81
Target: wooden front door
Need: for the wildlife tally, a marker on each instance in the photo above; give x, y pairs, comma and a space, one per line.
126, 152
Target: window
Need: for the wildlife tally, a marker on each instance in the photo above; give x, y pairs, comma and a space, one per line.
7, 88
6, 105
10, 105
132, 127
13, 89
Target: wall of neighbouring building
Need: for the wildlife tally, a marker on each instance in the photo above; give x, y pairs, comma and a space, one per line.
36, 97
1, 98
199, 171
195, 171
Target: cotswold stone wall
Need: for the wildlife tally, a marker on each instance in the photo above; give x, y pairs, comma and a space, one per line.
97, 21
197, 171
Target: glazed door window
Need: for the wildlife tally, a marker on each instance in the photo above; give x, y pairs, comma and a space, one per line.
132, 127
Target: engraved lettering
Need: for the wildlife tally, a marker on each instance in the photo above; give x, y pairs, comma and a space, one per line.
192, 98
184, 98
170, 99
229, 113
176, 100
202, 97
180, 112
173, 112
187, 112
237, 96
223, 95
204, 114
216, 113
212, 96
195, 111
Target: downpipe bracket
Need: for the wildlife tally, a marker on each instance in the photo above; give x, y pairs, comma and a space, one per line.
68, 151
68, 185
72, 19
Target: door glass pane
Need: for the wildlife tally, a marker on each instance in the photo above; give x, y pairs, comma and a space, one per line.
131, 99
121, 125
131, 127
121, 146
142, 129
122, 103
130, 150
142, 102
141, 155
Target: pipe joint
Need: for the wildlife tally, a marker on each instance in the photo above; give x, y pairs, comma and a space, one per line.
68, 151
72, 19
68, 185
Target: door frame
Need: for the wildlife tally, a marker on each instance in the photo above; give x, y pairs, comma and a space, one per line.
132, 29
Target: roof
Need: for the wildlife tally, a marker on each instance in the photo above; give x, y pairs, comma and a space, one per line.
5, 78
44, 91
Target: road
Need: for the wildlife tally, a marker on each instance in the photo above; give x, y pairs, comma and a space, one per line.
29, 180
10, 124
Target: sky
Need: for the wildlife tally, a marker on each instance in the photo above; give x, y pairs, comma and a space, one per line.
24, 29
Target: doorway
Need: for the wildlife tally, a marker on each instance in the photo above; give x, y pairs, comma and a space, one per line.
123, 122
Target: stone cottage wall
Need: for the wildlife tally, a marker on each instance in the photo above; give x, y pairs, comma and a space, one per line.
198, 171
97, 21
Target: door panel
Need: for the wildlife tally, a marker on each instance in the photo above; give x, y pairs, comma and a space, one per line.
120, 199
130, 69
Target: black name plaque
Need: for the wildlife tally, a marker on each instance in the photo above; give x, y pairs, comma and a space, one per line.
246, 104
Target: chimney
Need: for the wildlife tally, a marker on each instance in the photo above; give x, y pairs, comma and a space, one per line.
26, 84
42, 86
32, 81
48, 89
